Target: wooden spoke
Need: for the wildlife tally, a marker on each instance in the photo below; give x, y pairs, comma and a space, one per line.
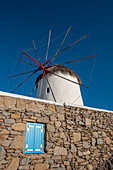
22, 73
25, 80
36, 51
27, 63
50, 88
61, 44
33, 89
77, 60
69, 46
48, 45
68, 79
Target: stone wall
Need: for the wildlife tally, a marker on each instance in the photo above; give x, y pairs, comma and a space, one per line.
75, 138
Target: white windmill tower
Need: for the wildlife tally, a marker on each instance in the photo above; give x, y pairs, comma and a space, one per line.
57, 83
61, 84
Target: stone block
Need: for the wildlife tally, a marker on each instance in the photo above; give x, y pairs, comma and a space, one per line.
43, 119
85, 144
80, 153
61, 117
9, 101
48, 113
86, 153
60, 109
87, 122
25, 161
57, 124
40, 106
62, 135
49, 145
19, 126
6, 143
99, 141
29, 120
60, 151
73, 148
14, 164
29, 113
1, 100
41, 166
16, 115
4, 132
103, 134
9, 121
50, 128
53, 118
32, 106
21, 104
55, 166
51, 108
6, 113
90, 167
2, 153
95, 134
66, 163
70, 122
2, 117
108, 140
80, 160
76, 137
93, 141
18, 142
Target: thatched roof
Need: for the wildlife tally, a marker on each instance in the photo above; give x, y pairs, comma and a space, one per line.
62, 69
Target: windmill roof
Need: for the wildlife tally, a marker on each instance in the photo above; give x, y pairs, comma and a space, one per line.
62, 69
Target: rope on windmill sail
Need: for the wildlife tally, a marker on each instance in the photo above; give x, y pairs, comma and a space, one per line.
37, 43
14, 65
52, 40
77, 98
92, 70
61, 43
46, 43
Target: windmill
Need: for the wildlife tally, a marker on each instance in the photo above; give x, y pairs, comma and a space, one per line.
57, 82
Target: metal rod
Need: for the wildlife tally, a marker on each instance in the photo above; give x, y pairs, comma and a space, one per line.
77, 60
61, 44
36, 51
68, 79
48, 45
25, 80
50, 89
21, 73
27, 63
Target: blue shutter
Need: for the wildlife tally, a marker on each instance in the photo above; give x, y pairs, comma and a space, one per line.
38, 145
34, 138
29, 140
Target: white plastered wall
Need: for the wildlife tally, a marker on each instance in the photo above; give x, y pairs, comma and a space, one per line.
64, 91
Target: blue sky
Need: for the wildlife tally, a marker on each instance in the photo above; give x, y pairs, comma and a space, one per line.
24, 21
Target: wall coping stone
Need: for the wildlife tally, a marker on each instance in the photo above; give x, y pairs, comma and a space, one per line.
50, 102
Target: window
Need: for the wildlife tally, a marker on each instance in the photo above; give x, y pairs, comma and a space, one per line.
48, 90
34, 138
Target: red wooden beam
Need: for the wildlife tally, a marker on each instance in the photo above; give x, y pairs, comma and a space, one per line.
32, 59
